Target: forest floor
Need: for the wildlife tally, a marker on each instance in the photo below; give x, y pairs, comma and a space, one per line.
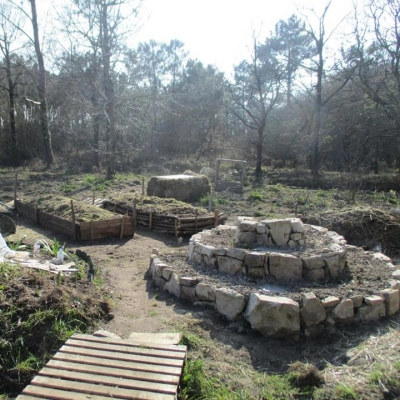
239, 359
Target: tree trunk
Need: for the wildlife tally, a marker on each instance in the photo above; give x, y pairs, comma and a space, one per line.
11, 109
44, 123
259, 150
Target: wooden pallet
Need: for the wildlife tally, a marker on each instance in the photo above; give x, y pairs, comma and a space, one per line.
90, 367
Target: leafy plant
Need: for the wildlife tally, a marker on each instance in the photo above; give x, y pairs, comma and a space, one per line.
255, 195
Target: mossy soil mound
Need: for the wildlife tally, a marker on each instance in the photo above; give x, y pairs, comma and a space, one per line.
60, 206
160, 206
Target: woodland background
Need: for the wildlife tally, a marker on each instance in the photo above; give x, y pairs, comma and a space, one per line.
84, 98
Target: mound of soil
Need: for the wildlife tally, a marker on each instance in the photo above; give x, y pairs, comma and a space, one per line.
61, 207
159, 206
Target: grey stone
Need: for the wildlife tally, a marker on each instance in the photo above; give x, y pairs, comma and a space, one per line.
313, 262
392, 299
312, 312
229, 303
205, 292
160, 281
210, 261
296, 236
396, 274
371, 313
314, 275
197, 257
173, 286
207, 250
229, 265
239, 254
256, 272
188, 281
247, 226
344, 311
261, 228
247, 238
167, 273
254, 259
292, 244
297, 225
279, 230
262, 239
273, 316
332, 262
373, 300
188, 293
285, 266
220, 252
330, 301
357, 300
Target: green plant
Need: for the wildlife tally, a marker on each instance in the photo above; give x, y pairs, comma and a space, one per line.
18, 245
344, 392
255, 195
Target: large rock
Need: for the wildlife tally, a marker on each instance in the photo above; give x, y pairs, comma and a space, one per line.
312, 312
273, 316
285, 266
229, 303
279, 230
180, 187
228, 265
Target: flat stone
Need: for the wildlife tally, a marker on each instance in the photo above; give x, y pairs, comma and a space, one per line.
188, 293
246, 238
207, 250
173, 286
292, 244
167, 273
296, 236
344, 311
394, 284
205, 292
330, 301
248, 226
220, 252
371, 313
285, 266
188, 281
273, 316
297, 225
357, 300
392, 299
333, 263
229, 303
373, 300
313, 262
312, 311
279, 230
197, 257
239, 254
145, 338
229, 265
256, 272
382, 257
261, 228
396, 274
263, 239
210, 261
255, 259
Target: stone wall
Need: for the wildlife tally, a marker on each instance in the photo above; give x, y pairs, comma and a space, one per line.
277, 316
277, 237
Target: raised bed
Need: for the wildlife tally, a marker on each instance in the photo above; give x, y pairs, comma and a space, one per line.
104, 226
166, 215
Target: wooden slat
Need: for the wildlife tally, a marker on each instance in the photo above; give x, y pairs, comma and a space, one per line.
125, 348
102, 390
158, 341
97, 368
87, 377
114, 371
122, 357
162, 369
56, 394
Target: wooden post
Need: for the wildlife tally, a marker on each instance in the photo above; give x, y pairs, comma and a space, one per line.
143, 186
91, 230
15, 187
134, 214
216, 215
122, 227
73, 219
150, 220
176, 227
210, 201
93, 197
195, 222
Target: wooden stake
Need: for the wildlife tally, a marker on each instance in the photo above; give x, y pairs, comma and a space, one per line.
210, 202
176, 227
36, 214
73, 219
93, 196
216, 215
91, 231
122, 227
150, 220
195, 222
143, 186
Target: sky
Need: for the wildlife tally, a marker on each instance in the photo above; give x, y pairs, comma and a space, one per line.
220, 32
